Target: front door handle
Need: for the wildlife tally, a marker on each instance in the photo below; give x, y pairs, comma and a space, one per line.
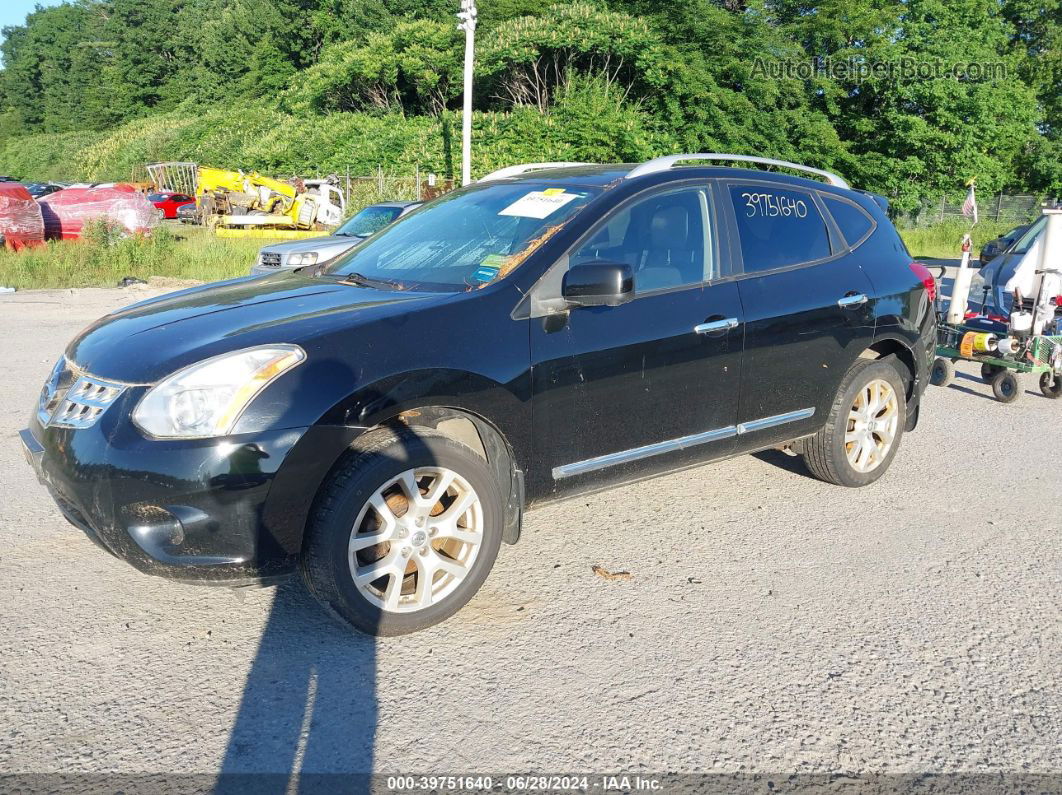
716, 327
851, 300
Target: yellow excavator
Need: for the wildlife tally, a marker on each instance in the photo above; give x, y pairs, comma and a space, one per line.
248, 204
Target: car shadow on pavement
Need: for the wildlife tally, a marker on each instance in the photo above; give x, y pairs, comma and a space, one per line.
789, 463
308, 712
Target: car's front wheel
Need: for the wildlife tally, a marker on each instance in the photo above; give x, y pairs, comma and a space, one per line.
863, 430
404, 533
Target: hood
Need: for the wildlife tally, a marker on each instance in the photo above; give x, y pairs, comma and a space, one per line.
314, 244
147, 341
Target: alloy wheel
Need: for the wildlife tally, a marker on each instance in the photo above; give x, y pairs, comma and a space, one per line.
415, 540
872, 424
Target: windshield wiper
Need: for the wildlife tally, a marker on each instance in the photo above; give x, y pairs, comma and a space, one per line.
362, 280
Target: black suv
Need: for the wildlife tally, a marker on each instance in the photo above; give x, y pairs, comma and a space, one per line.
382, 422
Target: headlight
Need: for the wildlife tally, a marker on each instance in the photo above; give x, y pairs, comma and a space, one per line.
208, 398
299, 260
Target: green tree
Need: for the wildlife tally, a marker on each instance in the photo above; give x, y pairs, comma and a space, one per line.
44, 68
950, 107
414, 68
526, 61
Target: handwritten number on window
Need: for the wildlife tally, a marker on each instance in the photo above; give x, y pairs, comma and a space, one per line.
771, 205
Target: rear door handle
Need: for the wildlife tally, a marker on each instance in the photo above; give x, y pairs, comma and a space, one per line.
720, 326
851, 300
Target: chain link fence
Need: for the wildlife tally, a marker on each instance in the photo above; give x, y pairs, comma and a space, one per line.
1001, 207
361, 191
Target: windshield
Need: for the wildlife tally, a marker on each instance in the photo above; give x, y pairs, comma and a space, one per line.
1022, 246
369, 221
466, 239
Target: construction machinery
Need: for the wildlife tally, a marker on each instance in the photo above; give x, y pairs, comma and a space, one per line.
249, 204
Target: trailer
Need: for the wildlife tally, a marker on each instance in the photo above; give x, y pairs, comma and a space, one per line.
1039, 355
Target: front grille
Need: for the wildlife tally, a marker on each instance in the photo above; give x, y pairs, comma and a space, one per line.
270, 259
55, 388
87, 399
73, 400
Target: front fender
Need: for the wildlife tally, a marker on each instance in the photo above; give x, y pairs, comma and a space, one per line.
504, 406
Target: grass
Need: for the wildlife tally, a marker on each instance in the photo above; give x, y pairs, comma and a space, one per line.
191, 253
944, 240
100, 260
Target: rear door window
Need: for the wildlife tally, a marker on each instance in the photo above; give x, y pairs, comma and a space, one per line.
854, 223
778, 227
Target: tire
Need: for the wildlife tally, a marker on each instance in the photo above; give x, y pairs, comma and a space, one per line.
827, 453
345, 511
1051, 386
989, 371
1005, 386
943, 372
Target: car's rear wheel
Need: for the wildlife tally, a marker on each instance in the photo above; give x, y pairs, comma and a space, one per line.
864, 427
405, 532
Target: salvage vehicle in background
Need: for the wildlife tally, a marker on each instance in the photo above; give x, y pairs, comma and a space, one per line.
382, 423
989, 285
300, 253
39, 189
189, 214
247, 204
993, 248
123, 207
21, 223
169, 202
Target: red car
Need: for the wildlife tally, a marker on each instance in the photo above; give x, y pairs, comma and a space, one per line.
68, 210
168, 202
21, 223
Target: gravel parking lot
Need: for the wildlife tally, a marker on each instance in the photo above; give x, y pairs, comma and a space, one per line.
771, 623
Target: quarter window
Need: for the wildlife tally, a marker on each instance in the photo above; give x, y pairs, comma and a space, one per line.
852, 221
778, 227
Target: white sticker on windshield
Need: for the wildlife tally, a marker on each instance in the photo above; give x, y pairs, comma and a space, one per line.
539, 204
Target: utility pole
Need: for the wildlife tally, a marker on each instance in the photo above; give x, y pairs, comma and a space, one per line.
467, 16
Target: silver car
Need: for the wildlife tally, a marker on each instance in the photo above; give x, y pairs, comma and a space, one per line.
299, 253
989, 284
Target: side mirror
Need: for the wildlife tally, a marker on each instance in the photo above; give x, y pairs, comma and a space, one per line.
598, 284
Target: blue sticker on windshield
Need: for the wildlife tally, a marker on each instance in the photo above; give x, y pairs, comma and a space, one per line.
484, 274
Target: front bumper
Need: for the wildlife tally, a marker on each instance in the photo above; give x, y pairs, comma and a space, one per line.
218, 512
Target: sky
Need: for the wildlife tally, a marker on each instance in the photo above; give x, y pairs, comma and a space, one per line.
13, 12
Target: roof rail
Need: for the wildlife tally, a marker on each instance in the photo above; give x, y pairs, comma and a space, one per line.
523, 168
664, 163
